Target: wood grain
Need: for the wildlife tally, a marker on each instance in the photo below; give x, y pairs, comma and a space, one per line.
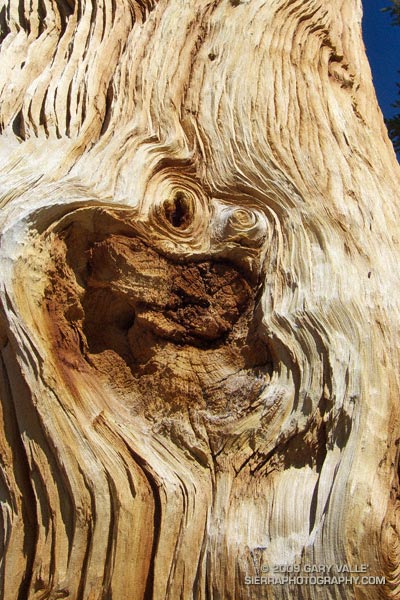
199, 318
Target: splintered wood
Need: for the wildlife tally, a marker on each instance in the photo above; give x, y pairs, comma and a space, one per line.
199, 321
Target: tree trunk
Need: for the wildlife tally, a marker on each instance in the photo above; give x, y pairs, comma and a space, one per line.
199, 303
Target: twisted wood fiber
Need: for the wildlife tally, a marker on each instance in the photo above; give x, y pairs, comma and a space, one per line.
199, 300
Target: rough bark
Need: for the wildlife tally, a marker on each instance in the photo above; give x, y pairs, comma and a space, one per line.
199, 301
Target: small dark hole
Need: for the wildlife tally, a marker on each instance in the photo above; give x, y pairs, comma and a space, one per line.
18, 126
177, 210
212, 56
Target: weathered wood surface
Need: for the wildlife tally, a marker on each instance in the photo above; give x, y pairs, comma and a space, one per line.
199, 300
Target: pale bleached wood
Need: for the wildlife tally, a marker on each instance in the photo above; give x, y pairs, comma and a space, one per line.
199, 301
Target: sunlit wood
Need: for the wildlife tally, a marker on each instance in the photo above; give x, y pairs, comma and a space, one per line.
199, 301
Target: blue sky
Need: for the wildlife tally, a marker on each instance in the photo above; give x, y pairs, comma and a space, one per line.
382, 41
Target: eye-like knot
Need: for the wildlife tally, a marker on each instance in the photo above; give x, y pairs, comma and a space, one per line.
242, 219
179, 209
179, 214
244, 226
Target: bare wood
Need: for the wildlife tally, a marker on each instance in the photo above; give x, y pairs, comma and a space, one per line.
200, 314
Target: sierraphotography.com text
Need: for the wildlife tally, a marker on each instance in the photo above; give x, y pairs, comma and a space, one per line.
313, 574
